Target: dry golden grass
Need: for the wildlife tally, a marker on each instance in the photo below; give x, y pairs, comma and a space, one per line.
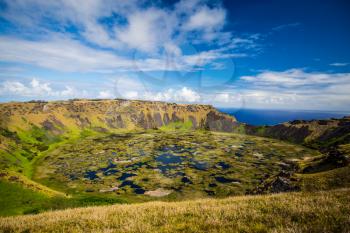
290, 212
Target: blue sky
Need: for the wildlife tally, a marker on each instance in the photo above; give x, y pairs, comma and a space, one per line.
245, 54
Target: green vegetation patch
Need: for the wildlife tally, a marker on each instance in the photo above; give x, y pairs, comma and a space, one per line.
336, 178
177, 126
17, 200
180, 164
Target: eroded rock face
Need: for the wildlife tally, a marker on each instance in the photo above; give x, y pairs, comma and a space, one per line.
166, 119
194, 122
217, 121
175, 118
157, 119
142, 122
80, 120
293, 134
58, 116
320, 134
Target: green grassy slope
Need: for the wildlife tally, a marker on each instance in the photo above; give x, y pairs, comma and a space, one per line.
31, 157
326, 180
15, 199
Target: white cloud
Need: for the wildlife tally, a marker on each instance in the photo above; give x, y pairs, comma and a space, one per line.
294, 78
296, 89
182, 95
131, 23
204, 24
129, 87
206, 19
36, 89
290, 89
76, 40
172, 49
147, 30
64, 54
131, 95
70, 91
339, 64
186, 94
284, 26
84, 15
105, 95
207, 57
60, 54
222, 98
13, 88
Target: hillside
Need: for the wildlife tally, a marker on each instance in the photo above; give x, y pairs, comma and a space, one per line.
58, 117
30, 129
82, 153
331, 137
320, 134
290, 212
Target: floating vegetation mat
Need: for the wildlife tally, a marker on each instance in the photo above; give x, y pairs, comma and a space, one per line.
185, 165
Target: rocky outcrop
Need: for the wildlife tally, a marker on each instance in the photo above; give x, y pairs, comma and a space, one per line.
217, 121
331, 137
318, 134
332, 160
284, 181
278, 184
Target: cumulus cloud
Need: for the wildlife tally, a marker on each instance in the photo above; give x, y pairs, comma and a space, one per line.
138, 90
36, 89
206, 19
183, 95
133, 88
297, 89
186, 95
147, 29
290, 89
84, 15
141, 27
131, 25
105, 95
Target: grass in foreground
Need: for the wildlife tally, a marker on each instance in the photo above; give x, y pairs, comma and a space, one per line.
326, 211
326, 180
17, 200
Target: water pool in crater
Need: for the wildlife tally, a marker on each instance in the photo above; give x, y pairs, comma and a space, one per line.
189, 163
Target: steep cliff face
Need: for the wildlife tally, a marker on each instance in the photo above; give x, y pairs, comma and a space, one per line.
103, 115
29, 129
315, 133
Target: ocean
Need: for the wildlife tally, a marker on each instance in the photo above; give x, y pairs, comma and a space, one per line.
273, 117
